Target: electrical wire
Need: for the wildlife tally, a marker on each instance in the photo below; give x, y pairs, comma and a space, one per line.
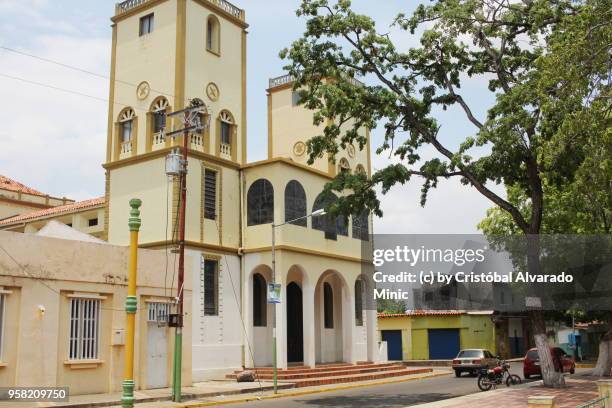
238, 306
78, 69
41, 279
69, 91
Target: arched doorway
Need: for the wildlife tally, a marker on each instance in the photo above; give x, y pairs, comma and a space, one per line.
295, 331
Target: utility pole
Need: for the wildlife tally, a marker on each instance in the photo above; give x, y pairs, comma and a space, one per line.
191, 122
131, 303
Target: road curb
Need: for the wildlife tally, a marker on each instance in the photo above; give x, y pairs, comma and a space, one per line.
307, 392
585, 365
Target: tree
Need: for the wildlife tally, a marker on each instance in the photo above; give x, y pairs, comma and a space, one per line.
495, 40
390, 306
580, 203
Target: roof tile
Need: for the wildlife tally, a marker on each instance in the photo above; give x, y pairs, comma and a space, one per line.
61, 209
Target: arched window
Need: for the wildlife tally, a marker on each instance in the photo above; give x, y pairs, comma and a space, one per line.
226, 135
260, 203
159, 109
259, 301
126, 124
295, 203
361, 227
328, 306
327, 222
157, 121
344, 166
213, 37
358, 303
202, 117
359, 169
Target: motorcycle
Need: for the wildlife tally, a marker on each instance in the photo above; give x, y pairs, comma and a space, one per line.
492, 377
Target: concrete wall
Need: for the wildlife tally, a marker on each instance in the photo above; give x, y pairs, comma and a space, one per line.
50, 272
475, 331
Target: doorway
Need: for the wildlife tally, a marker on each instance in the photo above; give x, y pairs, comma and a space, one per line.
295, 327
157, 345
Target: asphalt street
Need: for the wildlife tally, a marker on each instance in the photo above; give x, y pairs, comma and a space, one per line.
389, 396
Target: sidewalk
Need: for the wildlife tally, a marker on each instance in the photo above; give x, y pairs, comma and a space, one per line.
207, 389
214, 393
578, 391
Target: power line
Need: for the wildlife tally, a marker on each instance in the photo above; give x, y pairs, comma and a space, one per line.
70, 91
78, 69
41, 279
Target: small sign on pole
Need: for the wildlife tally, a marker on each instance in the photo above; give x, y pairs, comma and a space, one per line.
274, 291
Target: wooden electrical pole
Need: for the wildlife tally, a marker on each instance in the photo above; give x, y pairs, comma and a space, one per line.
188, 119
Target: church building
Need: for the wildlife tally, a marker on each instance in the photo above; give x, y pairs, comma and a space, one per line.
166, 55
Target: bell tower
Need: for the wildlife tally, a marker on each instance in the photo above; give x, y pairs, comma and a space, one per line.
166, 53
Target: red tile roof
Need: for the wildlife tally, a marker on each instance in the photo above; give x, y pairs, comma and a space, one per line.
12, 185
424, 313
61, 209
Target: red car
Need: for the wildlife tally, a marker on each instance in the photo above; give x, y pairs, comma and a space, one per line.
562, 361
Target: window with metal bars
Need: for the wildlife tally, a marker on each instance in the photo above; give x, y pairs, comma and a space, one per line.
295, 203
159, 121
210, 194
260, 203
158, 312
84, 328
332, 226
211, 287
360, 227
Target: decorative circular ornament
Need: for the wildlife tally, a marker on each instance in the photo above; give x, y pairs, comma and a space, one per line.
212, 91
350, 150
299, 148
142, 90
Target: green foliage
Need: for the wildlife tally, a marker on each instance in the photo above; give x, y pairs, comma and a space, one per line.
534, 133
390, 306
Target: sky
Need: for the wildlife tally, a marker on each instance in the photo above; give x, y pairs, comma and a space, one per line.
55, 141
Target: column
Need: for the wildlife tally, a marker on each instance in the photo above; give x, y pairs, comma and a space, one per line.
372, 338
308, 306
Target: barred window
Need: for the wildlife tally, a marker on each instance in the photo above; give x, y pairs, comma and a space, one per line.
260, 203
211, 287
259, 301
358, 303
295, 203
328, 306
210, 194
158, 312
361, 227
327, 223
84, 328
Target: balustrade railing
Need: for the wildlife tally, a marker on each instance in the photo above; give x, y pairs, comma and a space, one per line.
126, 147
226, 149
287, 79
159, 138
224, 5
196, 139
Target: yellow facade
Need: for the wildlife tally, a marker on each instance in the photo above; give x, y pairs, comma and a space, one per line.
476, 330
166, 54
38, 283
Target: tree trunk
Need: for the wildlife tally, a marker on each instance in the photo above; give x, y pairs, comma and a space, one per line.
604, 361
550, 377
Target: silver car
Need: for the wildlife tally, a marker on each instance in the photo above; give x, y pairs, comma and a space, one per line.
472, 361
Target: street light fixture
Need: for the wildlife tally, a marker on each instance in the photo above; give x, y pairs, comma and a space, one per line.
317, 213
